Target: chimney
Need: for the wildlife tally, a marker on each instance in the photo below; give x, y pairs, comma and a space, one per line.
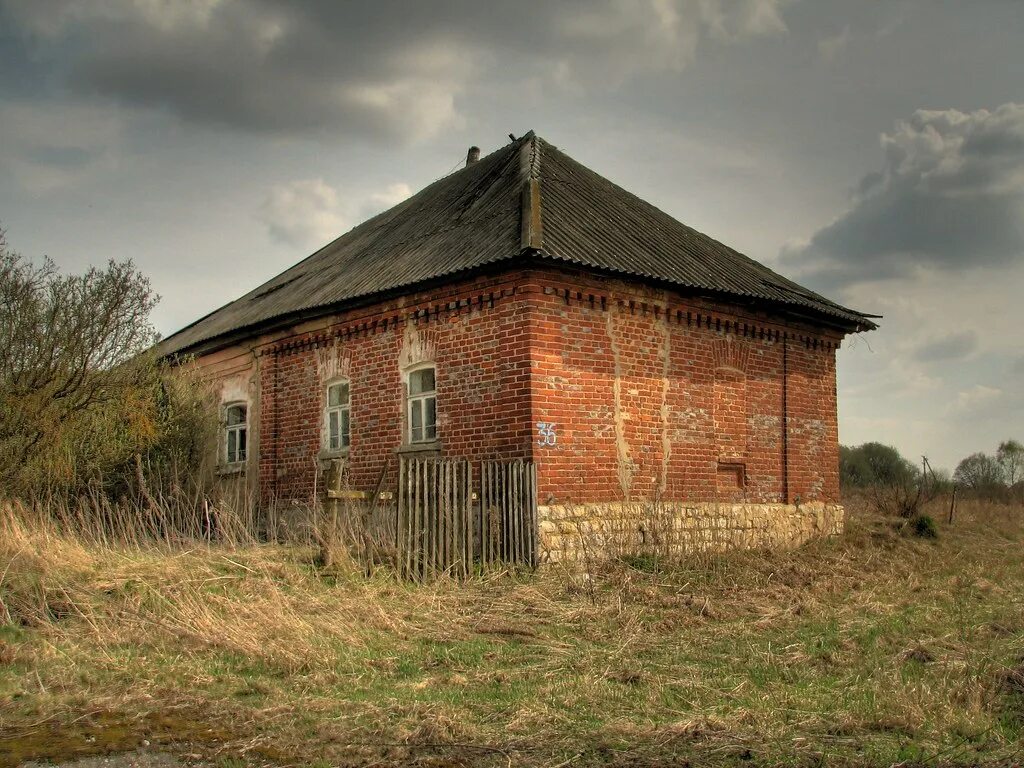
473, 155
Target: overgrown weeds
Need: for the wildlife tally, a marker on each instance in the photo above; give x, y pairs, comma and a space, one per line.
871, 647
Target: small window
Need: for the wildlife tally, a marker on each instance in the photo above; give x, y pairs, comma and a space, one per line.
236, 430
422, 406
337, 416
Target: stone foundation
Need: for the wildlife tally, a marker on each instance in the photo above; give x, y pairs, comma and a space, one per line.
673, 528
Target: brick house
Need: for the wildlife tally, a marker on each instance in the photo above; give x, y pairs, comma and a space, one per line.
526, 307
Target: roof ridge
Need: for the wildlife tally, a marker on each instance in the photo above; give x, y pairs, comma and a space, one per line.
535, 156
531, 221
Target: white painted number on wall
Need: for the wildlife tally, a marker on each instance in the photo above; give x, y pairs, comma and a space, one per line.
546, 430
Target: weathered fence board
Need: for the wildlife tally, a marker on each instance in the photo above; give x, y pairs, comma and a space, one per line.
508, 513
440, 530
434, 534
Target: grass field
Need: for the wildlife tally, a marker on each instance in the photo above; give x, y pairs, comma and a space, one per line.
876, 647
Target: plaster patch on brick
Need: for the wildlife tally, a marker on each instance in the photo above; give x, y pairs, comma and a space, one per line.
765, 423
235, 388
624, 464
332, 362
418, 346
666, 440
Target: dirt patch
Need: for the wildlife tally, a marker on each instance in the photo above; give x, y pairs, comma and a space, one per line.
136, 759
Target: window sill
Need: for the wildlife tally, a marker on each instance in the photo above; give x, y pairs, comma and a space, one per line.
229, 470
433, 448
326, 455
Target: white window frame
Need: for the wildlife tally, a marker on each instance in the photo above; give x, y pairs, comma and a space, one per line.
342, 410
420, 399
240, 431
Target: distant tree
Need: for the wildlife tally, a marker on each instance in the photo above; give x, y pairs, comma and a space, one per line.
979, 472
1010, 456
941, 481
873, 464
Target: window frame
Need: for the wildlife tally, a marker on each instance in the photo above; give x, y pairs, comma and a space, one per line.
421, 399
240, 431
342, 409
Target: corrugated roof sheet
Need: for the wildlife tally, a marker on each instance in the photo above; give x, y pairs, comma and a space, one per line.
590, 221
472, 218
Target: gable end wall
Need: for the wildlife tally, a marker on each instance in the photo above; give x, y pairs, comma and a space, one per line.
651, 396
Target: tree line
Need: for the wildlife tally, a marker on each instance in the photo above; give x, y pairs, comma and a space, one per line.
871, 465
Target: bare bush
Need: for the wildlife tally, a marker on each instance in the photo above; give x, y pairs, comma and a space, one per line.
86, 408
1010, 456
70, 345
980, 473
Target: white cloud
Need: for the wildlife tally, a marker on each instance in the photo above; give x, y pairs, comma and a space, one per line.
976, 398
391, 195
739, 19
308, 213
304, 213
829, 48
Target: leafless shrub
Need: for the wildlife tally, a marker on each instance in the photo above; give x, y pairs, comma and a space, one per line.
906, 496
85, 406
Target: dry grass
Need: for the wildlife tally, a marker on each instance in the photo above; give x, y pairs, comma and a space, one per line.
875, 647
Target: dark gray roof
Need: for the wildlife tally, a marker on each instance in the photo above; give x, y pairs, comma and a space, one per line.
527, 199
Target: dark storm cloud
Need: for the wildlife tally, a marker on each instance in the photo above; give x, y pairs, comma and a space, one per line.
950, 197
387, 69
955, 346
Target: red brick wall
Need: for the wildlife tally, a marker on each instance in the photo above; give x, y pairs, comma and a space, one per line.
656, 396
813, 455
642, 393
476, 335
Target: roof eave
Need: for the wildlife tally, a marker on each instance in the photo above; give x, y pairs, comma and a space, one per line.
529, 256
859, 322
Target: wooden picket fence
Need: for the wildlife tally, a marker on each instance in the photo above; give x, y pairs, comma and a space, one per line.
444, 528
508, 513
435, 521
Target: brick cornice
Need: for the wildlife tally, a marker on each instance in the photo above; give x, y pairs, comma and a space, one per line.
426, 312
725, 320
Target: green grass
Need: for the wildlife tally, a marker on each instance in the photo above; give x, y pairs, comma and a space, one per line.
874, 647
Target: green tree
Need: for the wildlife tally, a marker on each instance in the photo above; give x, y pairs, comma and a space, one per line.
873, 464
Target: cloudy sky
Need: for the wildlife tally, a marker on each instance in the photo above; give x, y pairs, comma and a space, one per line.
872, 150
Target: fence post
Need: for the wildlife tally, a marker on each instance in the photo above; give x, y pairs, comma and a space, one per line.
535, 522
399, 519
468, 507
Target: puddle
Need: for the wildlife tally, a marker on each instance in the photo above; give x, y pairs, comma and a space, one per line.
102, 733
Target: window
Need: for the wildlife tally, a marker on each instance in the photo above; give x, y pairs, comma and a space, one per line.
337, 416
422, 406
235, 433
